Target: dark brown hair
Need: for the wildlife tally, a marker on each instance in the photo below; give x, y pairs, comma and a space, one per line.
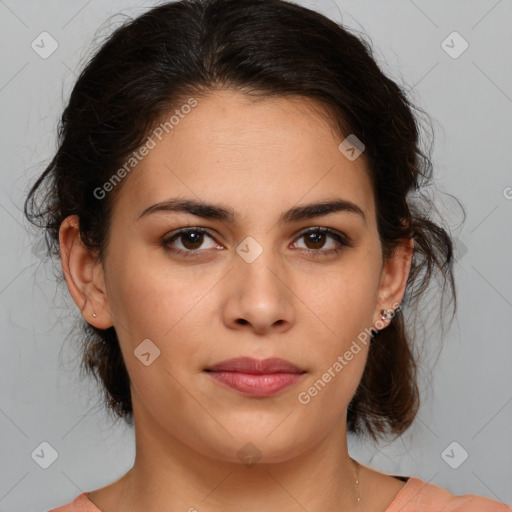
151, 64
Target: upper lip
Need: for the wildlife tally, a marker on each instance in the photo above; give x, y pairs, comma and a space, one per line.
256, 366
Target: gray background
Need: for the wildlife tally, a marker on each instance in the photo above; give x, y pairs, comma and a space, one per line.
467, 395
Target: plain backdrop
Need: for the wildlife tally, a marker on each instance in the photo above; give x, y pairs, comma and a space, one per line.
467, 388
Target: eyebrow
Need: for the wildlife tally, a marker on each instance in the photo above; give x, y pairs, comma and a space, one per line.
228, 215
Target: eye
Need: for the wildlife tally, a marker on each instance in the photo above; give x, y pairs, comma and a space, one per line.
191, 239
316, 237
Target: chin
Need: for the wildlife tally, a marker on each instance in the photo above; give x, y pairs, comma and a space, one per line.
258, 444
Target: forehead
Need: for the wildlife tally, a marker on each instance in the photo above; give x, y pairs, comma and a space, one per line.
248, 153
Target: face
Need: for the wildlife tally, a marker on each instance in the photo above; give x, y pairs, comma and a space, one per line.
273, 281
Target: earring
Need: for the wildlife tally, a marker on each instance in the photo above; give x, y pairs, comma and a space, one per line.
94, 315
387, 314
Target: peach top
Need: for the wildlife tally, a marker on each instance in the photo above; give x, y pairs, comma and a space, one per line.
415, 496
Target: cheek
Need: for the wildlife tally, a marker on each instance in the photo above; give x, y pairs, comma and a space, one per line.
344, 299
170, 310
151, 296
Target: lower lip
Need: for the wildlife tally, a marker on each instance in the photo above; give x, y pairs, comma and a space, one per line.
257, 385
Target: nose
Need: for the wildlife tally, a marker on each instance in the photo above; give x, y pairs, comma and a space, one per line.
259, 296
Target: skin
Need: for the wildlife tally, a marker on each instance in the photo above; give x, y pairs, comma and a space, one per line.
260, 159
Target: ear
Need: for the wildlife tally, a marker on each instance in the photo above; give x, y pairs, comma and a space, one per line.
395, 272
84, 275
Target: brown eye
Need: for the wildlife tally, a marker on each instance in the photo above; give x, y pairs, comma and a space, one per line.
315, 239
192, 240
189, 242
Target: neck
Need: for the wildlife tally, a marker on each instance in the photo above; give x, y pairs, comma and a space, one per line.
169, 475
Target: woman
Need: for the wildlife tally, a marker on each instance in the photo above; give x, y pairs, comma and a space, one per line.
230, 201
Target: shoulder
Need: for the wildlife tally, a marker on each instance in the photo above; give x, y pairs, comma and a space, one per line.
80, 504
420, 496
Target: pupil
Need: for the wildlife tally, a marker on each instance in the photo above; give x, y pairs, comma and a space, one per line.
196, 239
317, 239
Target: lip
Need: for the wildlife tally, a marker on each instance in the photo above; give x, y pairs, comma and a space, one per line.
254, 377
256, 366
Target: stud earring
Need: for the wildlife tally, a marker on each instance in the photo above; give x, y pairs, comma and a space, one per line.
386, 314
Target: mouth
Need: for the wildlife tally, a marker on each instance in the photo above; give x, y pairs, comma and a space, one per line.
256, 378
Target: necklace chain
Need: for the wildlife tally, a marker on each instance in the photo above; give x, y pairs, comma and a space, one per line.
356, 479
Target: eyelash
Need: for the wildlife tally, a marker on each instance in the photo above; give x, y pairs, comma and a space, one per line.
342, 239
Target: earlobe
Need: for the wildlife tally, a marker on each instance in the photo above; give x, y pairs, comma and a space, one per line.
84, 275
393, 282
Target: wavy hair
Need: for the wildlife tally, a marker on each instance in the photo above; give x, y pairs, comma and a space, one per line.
267, 48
